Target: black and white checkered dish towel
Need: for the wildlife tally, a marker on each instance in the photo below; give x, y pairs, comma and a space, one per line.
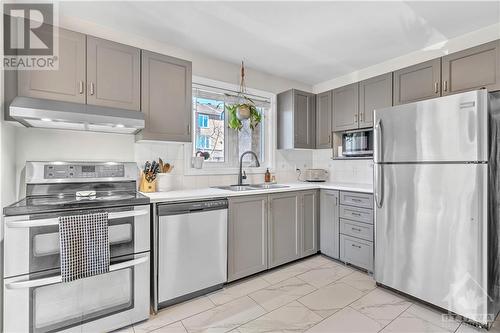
84, 245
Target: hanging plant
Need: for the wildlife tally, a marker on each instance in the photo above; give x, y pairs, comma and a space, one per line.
246, 109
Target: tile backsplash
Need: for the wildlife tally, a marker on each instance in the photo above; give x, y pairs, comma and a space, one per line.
345, 171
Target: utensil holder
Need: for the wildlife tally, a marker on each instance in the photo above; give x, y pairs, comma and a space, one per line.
145, 186
165, 182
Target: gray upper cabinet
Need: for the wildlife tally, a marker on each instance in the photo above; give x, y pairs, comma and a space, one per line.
296, 119
329, 223
166, 98
113, 74
374, 93
247, 236
345, 107
309, 221
67, 83
324, 120
474, 68
284, 228
417, 82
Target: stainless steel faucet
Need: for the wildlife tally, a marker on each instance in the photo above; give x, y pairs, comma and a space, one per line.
242, 175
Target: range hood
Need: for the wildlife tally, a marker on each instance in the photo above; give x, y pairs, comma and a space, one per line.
37, 112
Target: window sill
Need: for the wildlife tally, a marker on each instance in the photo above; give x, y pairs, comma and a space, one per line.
223, 171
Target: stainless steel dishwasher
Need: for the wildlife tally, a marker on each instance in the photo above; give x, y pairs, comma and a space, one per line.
192, 249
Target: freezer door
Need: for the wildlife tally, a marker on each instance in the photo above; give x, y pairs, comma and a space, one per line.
445, 129
431, 234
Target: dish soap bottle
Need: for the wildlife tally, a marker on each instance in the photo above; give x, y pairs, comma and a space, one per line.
267, 176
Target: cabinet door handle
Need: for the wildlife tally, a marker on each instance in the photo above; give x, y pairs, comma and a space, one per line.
436, 87
80, 87
92, 87
445, 85
355, 118
336, 201
329, 138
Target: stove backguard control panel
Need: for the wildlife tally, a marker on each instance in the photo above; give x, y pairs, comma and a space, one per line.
65, 171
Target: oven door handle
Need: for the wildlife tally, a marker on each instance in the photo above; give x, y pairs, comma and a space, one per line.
58, 279
55, 221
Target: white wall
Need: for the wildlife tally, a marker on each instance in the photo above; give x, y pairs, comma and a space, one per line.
459, 43
343, 171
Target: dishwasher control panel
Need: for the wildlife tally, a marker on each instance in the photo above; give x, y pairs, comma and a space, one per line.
192, 206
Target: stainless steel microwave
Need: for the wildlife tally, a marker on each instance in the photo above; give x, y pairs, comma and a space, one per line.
357, 143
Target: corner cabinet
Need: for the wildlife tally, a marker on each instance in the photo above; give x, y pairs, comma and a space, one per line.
66, 84
296, 119
329, 223
324, 114
474, 68
166, 98
418, 82
113, 74
345, 107
247, 236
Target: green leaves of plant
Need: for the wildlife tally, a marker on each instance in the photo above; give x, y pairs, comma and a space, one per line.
236, 124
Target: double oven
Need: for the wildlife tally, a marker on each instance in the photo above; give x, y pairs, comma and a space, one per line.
35, 299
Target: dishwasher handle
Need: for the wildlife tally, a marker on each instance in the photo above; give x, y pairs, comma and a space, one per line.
191, 207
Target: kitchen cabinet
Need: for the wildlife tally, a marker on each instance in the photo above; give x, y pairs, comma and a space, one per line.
374, 93
113, 74
474, 68
284, 228
309, 222
329, 223
356, 229
67, 83
324, 114
166, 98
296, 119
346, 107
247, 236
418, 82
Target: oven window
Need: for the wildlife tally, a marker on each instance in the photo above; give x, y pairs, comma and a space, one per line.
63, 305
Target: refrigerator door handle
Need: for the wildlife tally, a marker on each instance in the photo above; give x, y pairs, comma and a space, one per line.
379, 185
378, 141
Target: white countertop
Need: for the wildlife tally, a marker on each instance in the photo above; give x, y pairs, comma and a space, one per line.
210, 193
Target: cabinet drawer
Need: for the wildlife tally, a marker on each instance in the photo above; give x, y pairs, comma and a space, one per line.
356, 252
356, 199
356, 214
356, 229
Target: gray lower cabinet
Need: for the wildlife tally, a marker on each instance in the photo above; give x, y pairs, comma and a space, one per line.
247, 236
345, 107
309, 222
418, 82
166, 98
374, 93
296, 119
284, 228
324, 114
474, 68
67, 83
113, 74
329, 223
356, 229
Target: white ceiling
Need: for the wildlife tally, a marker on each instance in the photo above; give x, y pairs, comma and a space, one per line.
310, 42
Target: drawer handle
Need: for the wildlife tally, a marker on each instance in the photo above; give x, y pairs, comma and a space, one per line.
356, 246
356, 214
356, 200
356, 229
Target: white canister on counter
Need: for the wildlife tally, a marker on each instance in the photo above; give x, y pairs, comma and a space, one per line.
164, 182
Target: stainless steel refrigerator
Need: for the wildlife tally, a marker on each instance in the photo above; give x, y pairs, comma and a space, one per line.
436, 201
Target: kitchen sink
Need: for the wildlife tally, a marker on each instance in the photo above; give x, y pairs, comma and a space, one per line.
253, 187
236, 188
268, 186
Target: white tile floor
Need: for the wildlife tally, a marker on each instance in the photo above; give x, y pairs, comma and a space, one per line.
312, 295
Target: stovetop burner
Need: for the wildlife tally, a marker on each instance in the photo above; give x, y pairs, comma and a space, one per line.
62, 186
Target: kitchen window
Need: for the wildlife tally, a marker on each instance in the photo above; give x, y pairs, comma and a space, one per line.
222, 145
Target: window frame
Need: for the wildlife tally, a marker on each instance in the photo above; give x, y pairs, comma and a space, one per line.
205, 118
225, 168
